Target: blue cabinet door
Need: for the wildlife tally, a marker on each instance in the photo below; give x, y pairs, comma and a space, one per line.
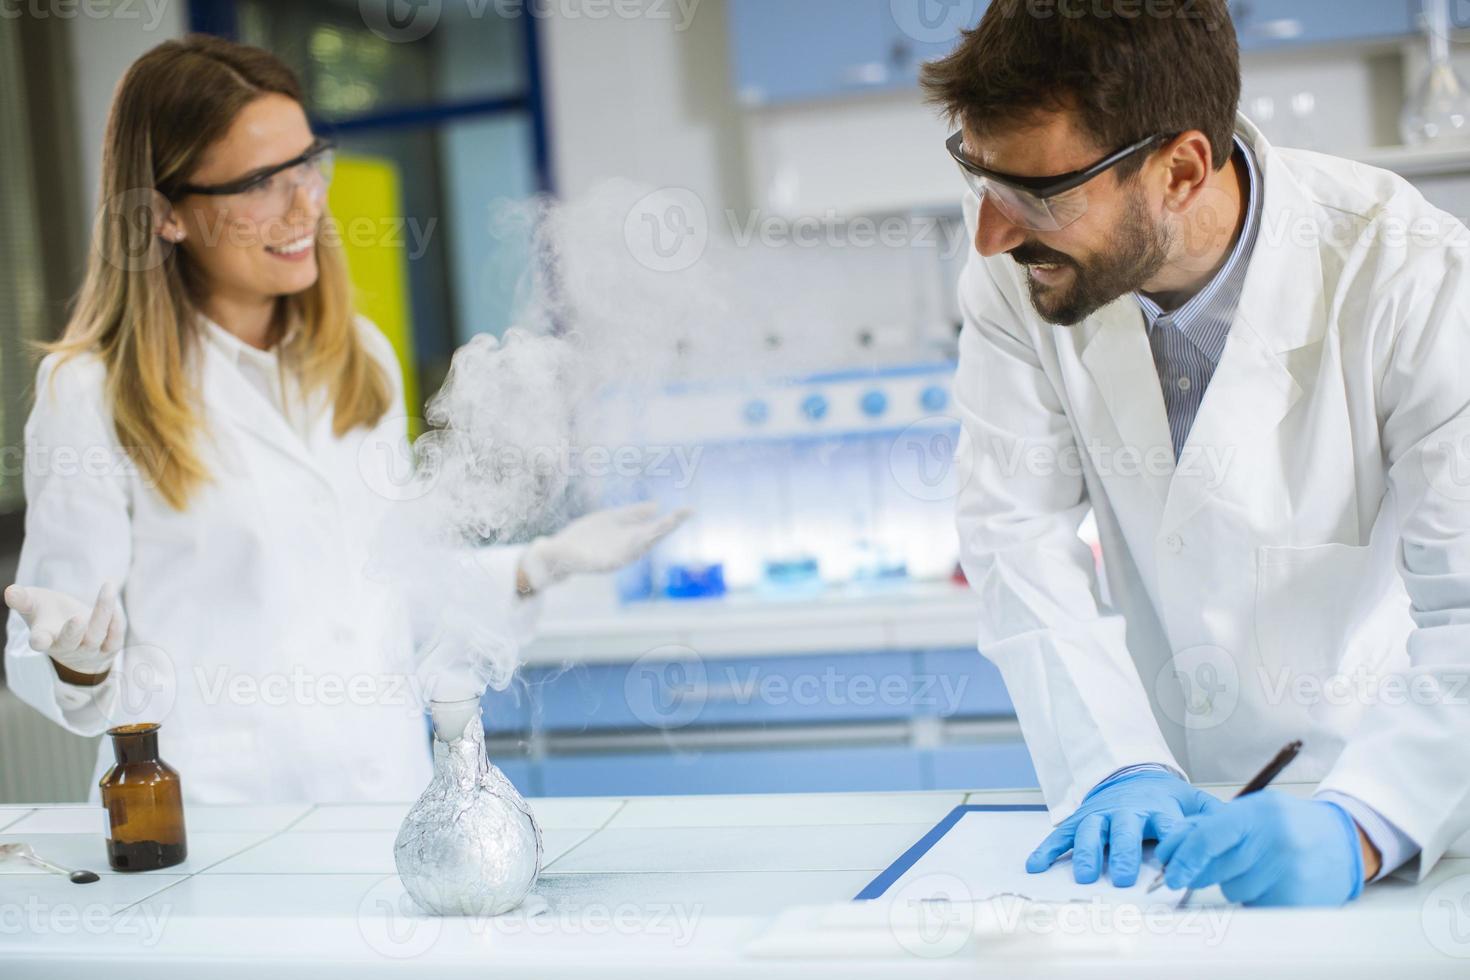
1001, 765
519, 771
785, 51
926, 30
850, 769
508, 710
1266, 24
960, 684
752, 691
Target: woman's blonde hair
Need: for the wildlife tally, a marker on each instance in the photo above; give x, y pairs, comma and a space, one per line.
136, 310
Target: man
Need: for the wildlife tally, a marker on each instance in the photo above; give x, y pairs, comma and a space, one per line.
1251, 364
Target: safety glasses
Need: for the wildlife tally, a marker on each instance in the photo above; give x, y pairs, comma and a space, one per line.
270, 190
1039, 203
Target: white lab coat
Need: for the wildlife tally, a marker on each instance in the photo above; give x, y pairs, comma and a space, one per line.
1305, 570
279, 668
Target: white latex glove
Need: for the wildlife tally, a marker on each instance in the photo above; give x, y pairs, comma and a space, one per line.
600, 542
84, 639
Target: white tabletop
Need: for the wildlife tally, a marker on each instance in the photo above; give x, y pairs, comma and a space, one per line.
640, 887
578, 628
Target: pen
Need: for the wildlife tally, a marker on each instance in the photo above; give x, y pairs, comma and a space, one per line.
1261, 781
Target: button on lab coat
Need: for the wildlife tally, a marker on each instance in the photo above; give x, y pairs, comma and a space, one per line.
1304, 570
280, 667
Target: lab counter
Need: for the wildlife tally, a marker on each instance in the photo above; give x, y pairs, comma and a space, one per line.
859, 689
639, 888
581, 625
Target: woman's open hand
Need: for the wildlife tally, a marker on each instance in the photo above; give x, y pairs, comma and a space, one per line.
82, 638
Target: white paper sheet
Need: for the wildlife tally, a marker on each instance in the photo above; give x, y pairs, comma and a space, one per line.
984, 856
970, 894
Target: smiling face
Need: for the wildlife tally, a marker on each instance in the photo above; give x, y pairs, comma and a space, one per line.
1115, 247
258, 244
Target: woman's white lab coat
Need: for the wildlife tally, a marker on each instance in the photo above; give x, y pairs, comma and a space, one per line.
1303, 572
279, 669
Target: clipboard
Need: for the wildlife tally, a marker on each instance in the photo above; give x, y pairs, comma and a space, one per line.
906, 860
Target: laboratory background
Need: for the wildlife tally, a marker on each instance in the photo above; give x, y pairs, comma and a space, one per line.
808, 628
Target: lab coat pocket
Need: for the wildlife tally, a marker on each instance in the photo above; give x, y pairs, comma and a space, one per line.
1306, 605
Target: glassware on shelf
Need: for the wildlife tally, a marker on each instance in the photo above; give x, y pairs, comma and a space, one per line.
794, 574
470, 845
1438, 113
694, 580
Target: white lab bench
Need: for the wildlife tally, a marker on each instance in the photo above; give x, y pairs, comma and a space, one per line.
641, 888
583, 624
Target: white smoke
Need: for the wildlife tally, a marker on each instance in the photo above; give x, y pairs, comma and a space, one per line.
600, 324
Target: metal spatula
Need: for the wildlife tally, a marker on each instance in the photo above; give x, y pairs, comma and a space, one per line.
25, 853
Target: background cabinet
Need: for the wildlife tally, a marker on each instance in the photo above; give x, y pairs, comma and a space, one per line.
852, 721
1266, 24
785, 51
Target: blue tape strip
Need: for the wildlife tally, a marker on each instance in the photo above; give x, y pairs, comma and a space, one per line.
909, 858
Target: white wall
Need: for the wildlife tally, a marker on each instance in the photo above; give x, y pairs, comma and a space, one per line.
643, 99
102, 49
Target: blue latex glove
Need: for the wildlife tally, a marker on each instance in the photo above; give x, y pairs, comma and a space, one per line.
1268, 849
1127, 810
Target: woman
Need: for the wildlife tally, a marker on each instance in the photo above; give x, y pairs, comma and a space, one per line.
197, 439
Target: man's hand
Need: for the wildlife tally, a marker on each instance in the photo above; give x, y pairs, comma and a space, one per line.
1269, 849
1126, 811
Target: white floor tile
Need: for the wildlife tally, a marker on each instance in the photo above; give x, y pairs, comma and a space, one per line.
89, 851
573, 812
352, 852
353, 816
849, 848
80, 819
344, 852
50, 905
682, 898
83, 819
271, 895
365, 920
561, 813
264, 819
557, 843
10, 814
796, 810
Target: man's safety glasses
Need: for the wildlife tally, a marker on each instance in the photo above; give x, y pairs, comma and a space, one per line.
270, 190
1039, 203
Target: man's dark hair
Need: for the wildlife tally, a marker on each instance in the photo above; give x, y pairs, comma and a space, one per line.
1129, 69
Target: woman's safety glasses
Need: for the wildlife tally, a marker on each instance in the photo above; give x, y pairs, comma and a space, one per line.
269, 191
1039, 203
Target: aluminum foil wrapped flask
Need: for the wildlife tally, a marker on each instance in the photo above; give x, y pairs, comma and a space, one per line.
470, 845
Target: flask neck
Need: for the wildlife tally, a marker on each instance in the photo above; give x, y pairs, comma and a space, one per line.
452, 718
130, 747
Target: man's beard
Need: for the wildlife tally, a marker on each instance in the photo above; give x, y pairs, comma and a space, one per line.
1138, 250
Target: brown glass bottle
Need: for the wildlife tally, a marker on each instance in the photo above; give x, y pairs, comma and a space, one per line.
144, 801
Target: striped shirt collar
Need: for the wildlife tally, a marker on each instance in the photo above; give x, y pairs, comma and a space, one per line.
1205, 319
